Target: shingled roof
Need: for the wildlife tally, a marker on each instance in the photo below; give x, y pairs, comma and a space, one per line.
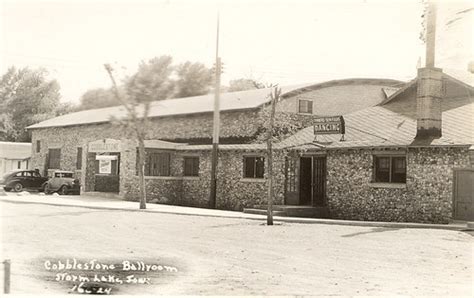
340, 95
248, 99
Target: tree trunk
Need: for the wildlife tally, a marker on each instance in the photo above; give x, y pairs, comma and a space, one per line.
141, 171
274, 97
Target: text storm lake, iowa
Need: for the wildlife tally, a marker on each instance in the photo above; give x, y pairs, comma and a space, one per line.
95, 277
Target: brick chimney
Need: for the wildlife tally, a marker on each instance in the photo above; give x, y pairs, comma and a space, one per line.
430, 85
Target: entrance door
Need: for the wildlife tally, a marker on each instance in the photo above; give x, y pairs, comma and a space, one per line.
107, 173
305, 181
319, 181
463, 194
312, 190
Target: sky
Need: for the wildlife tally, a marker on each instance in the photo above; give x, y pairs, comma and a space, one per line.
275, 41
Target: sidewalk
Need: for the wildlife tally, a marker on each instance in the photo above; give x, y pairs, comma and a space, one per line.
96, 202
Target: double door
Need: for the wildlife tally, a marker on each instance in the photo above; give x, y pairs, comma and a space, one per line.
306, 181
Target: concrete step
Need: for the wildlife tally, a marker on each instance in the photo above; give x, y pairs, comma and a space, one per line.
263, 211
295, 211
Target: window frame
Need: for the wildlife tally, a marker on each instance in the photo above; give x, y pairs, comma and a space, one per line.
194, 168
58, 159
309, 106
79, 158
255, 170
155, 171
391, 158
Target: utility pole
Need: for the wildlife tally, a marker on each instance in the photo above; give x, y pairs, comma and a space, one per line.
430, 34
216, 124
275, 95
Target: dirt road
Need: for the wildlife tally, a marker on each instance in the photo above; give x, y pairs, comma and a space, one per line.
217, 256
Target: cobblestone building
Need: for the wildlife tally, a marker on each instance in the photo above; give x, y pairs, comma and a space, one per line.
379, 170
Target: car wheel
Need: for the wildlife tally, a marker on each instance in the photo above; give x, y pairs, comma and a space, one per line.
63, 190
18, 187
47, 189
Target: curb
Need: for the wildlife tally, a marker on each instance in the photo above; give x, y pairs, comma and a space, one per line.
299, 220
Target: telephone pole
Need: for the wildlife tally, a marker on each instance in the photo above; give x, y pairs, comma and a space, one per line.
216, 124
430, 34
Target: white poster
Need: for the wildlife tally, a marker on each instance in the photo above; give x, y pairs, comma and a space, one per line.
105, 166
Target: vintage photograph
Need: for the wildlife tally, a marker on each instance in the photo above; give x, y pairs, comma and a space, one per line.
237, 148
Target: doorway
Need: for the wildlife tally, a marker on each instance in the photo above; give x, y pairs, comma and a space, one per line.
463, 193
312, 190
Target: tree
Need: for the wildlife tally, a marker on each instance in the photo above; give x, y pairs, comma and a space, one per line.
193, 79
26, 97
65, 108
141, 89
274, 96
244, 84
98, 98
152, 81
159, 79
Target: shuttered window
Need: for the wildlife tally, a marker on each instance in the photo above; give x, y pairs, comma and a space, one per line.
54, 157
156, 163
305, 106
254, 166
191, 166
79, 158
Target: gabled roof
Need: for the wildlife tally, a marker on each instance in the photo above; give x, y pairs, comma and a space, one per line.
462, 78
12, 150
381, 127
232, 101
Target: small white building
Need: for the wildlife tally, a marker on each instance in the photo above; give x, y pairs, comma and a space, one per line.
14, 156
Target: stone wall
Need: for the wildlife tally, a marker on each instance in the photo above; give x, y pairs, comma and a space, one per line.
233, 191
427, 196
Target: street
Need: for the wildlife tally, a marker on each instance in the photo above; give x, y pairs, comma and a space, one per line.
221, 256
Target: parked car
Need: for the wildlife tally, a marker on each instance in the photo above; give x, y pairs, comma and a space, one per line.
19, 180
63, 182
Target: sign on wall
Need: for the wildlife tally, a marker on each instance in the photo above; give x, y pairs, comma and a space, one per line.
329, 125
105, 166
105, 145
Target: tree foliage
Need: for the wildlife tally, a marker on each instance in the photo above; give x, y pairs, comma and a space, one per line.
97, 98
26, 97
155, 79
244, 84
193, 79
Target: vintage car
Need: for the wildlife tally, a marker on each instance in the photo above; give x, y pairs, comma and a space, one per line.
62, 182
19, 180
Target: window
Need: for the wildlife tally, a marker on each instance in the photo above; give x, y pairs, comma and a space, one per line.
79, 158
63, 175
291, 174
305, 106
191, 166
156, 163
27, 174
254, 167
390, 169
19, 165
54, 157
38, 146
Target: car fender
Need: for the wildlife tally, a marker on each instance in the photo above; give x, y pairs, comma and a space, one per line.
13, 182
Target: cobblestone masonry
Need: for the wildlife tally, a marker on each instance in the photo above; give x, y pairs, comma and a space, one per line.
234, 192
427, 196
